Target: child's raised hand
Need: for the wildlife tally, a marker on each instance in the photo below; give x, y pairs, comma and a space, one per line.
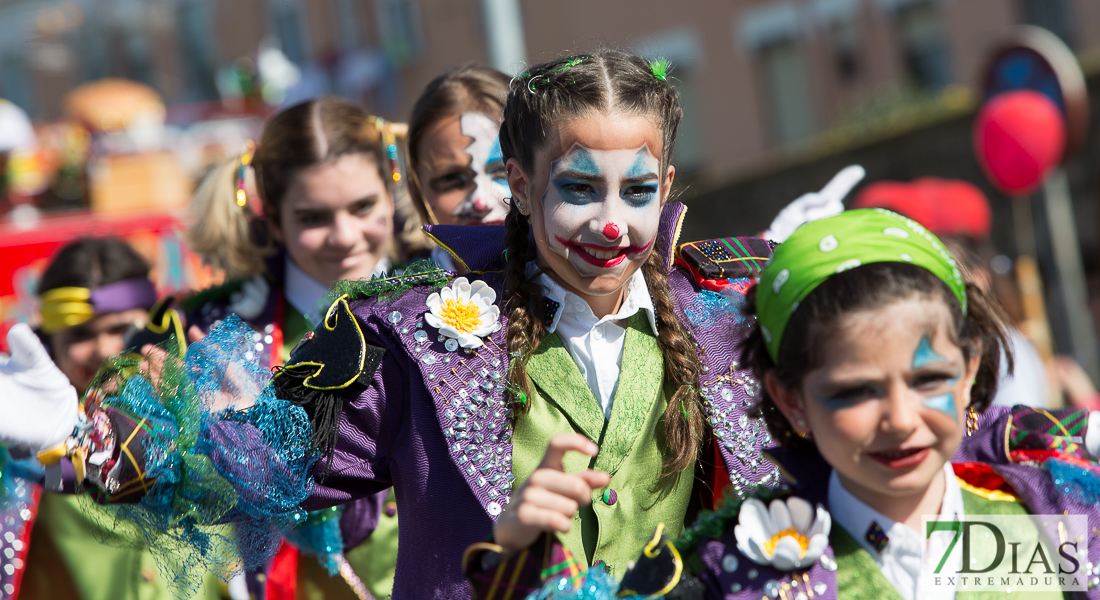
550, 497
828, 202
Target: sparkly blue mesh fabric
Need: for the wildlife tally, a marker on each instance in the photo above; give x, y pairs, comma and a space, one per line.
320, 536
27, 469
597, 584
219, 447
709, 306
1080, 483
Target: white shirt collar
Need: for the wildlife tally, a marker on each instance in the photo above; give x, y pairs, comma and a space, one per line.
305, 293
636, 298
901, 561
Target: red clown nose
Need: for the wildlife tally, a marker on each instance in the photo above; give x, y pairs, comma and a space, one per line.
611, 231
1018, 137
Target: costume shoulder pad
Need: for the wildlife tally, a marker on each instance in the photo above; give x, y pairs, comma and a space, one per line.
327, 360
714, 262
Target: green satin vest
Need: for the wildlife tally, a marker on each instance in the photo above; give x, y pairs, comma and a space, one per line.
630, 446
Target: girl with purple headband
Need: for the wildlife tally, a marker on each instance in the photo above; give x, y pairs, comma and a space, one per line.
91, 295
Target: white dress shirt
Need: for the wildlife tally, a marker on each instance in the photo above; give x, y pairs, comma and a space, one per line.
305, 293
906, 556
596, 345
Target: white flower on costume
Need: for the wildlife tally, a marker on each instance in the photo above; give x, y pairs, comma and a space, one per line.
464, 311
786, 535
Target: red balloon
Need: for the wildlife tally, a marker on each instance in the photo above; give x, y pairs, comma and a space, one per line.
1018, 137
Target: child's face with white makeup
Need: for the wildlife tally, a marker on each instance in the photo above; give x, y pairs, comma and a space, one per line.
886, 409
595, 200
461, 170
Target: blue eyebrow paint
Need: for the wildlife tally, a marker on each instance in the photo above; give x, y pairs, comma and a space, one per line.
639, 168
584, 162
495, 153
924, 356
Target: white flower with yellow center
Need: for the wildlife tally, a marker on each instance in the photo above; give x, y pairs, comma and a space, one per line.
464, 311
785, 535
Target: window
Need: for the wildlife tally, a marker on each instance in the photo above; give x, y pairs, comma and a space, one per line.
288, 25
400, 30
1049, 14
788, 91
195, 33
924, 47
684, 50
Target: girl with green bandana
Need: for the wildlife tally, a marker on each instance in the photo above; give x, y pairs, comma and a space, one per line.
877, 362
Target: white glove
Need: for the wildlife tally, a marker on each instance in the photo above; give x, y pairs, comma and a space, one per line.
815, 205
38, 405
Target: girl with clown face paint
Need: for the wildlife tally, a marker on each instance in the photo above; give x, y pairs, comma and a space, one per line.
575, 318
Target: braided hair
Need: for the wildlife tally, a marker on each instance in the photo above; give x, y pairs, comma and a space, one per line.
603, 81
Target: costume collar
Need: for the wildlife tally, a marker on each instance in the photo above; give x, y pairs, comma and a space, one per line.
859, 519
480, 248
305, 293
637, 298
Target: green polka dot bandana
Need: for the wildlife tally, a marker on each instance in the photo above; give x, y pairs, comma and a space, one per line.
820, 249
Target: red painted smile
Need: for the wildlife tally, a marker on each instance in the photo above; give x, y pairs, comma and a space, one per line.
602, 256
901, 459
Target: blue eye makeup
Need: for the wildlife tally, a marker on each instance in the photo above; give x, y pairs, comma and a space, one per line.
642, 193
925, 356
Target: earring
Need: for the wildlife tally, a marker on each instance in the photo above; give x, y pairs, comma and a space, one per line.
801, 426
520, 206
971, 421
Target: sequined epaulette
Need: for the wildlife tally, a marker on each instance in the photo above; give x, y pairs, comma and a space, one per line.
714, 262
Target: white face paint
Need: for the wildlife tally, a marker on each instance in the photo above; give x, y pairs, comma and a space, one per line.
485, 203
602, 208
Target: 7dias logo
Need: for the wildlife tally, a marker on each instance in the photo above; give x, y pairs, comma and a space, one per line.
1006, 553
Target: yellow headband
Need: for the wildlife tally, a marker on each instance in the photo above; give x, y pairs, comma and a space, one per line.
66, 307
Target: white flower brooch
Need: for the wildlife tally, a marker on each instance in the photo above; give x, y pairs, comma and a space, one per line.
786, 535
465, 312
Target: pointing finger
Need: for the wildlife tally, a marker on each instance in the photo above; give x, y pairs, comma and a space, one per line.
566, 442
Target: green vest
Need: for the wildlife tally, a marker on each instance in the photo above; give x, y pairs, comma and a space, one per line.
859, 578
630, 446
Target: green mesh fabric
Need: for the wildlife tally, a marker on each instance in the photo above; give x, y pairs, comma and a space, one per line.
216, 446
419, 273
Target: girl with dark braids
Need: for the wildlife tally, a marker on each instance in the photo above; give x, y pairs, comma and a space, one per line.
580, 366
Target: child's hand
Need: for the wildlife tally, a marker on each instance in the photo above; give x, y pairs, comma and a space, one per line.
550, 497
829, 202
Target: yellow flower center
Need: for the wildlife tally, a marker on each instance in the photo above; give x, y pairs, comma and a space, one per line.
790, 532
463, 316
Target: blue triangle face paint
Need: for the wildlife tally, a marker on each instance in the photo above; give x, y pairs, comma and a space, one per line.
924, 356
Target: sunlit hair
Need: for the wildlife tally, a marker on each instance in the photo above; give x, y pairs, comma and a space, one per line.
865, 288
605, 81
221, 230
469, 89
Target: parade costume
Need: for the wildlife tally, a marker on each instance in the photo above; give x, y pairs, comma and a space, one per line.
422, 408
812, 538
1021, 461
341, 541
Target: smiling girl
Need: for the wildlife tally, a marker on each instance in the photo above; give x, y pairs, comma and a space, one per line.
574, 318
877, 360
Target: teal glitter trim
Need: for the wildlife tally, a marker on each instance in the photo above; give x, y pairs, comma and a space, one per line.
596, 584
